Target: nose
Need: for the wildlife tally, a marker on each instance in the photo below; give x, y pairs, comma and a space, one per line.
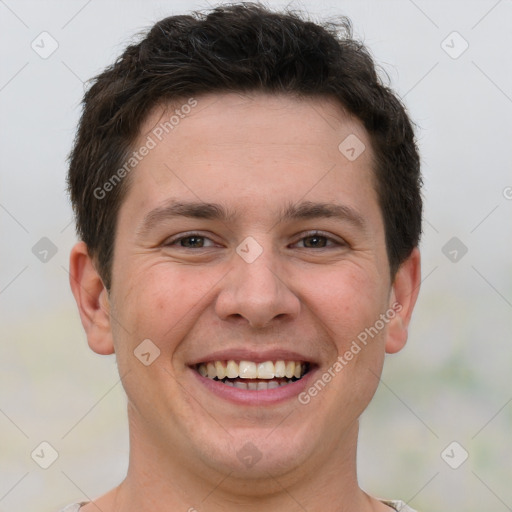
257, 292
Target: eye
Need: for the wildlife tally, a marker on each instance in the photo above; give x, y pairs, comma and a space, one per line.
318, 240
190, 241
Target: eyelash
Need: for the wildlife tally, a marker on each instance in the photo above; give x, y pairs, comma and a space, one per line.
310, 234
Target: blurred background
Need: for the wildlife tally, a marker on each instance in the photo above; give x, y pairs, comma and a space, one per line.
437, 433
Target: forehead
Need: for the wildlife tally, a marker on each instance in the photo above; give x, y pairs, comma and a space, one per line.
251, 145
250, 117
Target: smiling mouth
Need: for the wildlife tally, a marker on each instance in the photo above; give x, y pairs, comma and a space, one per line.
249, 375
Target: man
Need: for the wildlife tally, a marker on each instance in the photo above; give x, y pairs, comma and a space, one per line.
247, 195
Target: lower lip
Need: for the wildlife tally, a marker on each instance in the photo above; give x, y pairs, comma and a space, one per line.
256, 396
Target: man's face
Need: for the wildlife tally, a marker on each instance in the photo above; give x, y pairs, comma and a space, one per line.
264, 276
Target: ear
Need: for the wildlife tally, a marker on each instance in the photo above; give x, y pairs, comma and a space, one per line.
404, 293
92, 299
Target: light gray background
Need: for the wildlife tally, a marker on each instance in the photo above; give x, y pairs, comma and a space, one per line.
451, 383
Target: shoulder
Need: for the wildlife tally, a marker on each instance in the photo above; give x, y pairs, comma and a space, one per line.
74, 507
398, 505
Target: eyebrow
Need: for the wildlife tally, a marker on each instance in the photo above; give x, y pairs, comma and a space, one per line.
304, 210
309, 210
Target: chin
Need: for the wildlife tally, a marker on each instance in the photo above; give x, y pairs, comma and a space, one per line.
250, 455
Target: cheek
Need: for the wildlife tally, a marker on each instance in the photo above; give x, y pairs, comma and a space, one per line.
161, 303
347, 303
155, 304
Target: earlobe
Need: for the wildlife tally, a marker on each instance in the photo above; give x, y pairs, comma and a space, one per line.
92, 299
403, 297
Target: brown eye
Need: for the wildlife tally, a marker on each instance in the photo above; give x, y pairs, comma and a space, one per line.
319, 241
315, 241
192, 241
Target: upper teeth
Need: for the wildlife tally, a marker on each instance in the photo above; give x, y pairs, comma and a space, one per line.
251, 370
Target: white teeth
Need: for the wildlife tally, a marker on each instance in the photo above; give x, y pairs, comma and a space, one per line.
256, 386
280, 369
289, 371
266, 370
231, 370
212, 372
221, 370
247, 370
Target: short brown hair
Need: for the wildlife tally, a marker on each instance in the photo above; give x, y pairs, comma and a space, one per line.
239, 48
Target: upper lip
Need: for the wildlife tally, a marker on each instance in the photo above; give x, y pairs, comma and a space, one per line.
257, 356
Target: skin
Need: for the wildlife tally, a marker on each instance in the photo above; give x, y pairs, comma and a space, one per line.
254, 154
